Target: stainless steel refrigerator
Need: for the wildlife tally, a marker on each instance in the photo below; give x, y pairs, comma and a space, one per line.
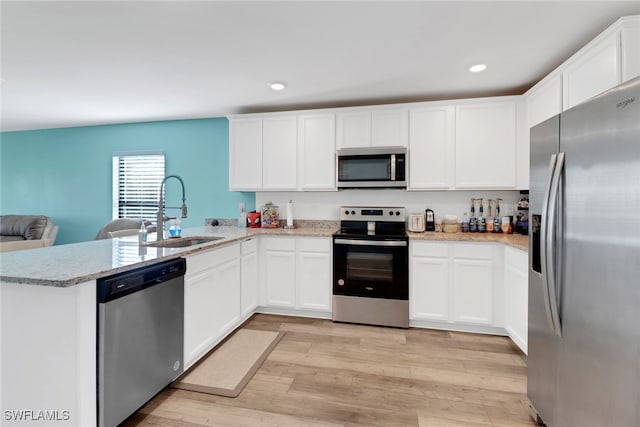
584, 264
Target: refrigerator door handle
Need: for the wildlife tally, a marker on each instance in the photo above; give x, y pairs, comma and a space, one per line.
544, 231
550, 254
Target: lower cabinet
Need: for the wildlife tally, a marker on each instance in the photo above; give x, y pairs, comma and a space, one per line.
516, 282
473, 283
248, 277
211, 298
313, 274
296, 273
429, 291
453, 285
279, 262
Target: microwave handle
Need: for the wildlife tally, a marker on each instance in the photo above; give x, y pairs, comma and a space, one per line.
393, 167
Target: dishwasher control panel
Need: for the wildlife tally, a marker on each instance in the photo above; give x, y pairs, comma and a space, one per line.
125, 283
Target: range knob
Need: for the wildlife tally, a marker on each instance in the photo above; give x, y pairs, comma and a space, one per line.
391, 213
346, 212
397, 213
353, 212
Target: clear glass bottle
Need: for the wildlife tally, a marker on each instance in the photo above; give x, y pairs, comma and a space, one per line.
465, 223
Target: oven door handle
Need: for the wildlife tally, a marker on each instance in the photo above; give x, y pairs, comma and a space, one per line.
370, 242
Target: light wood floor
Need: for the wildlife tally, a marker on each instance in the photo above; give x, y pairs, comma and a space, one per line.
330, 374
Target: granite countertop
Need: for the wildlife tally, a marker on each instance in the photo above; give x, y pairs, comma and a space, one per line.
517, 241
68, 265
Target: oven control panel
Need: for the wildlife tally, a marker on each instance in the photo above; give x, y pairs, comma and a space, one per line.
363, 213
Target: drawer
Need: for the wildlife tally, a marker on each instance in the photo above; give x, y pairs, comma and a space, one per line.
199, 262
279, 243
249, 246
430, 249
473, 250
314, 244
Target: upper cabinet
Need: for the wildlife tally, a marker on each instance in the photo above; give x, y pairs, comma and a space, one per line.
372, 128
353, 129
630, 41
544, 101
279, 145
245, 154
262, 153
431, 147
486, 142
608, 60
594, 70
317, 147
390, 127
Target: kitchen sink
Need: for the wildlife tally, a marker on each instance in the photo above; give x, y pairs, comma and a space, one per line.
183, 242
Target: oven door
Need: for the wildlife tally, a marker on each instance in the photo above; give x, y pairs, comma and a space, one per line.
364, 267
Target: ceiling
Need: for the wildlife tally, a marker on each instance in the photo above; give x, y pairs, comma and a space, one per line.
97, 62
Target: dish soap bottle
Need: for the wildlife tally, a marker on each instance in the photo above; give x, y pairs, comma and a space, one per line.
142, 233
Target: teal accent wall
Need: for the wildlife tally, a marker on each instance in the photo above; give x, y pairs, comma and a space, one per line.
66, 173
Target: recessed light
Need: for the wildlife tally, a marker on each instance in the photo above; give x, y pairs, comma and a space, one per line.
277, 86
477, 68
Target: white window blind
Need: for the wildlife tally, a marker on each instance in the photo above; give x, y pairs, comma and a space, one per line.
136, 185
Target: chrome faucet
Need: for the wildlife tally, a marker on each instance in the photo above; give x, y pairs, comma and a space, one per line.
161, 208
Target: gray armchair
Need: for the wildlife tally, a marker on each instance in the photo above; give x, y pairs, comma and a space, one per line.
122, 224
18, 232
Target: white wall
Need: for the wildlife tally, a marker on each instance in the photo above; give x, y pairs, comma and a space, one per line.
324, 205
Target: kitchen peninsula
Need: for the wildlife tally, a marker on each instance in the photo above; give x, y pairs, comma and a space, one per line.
48, 301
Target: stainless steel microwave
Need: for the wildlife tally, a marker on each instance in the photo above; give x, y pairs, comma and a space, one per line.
371, 167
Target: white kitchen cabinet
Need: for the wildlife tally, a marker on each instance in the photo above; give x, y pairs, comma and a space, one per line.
429, 291
630, 41
390, 127
279, 148
248, 277
226, 304
486, 144
279, 261
431, 147
594, 69
245, 154
544, 101
379, 127
317, 143
353, 129
313, 273
211, 298
516, 296
473, 293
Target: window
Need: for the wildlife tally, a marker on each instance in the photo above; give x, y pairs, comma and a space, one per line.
136, 184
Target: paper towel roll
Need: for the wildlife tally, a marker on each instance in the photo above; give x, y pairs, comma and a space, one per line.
289, 214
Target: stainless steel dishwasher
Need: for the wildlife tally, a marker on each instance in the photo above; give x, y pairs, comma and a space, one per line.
140, 337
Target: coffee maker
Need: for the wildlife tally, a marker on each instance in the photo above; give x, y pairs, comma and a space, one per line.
430, 220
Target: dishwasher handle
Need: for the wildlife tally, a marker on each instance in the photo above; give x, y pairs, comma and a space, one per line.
119, 285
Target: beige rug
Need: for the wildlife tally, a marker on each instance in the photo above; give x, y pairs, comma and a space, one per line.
229, 368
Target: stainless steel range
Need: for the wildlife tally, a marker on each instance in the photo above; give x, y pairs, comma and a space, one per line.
371, 267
